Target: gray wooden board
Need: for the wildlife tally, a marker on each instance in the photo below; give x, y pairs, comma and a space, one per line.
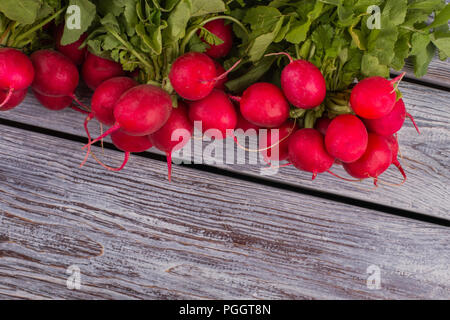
438, 72
134, 235
426, 156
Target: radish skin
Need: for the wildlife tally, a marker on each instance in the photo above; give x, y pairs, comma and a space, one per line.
14, 100
174, 135
264, 105
71, 51
307, 152
192, 76
16, 74
373, 98
225, 33
216, 111
375, 161
346, 138
96, 70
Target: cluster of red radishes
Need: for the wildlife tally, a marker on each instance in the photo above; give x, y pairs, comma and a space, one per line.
142, 116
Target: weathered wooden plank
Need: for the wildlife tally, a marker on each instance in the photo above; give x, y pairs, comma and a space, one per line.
134, 235
426, 157
438, 72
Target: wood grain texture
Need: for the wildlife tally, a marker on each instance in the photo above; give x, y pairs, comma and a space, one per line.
426, 156
438, 72
134, 235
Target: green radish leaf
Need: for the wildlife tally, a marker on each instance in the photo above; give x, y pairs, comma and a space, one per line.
22, 11
251, 76
422, 60
204, 7
87, 15
178, 20
197, 45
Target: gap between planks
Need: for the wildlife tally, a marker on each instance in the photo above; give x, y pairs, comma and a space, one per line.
136, 236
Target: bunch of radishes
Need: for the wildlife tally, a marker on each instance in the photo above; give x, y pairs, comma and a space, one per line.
142, 116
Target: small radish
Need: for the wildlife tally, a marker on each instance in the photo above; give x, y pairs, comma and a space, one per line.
302, 83
225, 33
127, 144
103, 103
53, 102
56, 78
216, 111
374, 97
96, 69
322, 125
56, 75
140, 111
375, 161
390, 123
393, 144
264, 105
346, 138
174, 135
193, 75
16, 73
220, 84
71, 51
280, 149
16, 98
307, 152
106, 96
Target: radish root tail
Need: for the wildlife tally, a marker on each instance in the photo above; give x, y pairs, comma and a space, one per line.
125, 161
342, 178
413, 122
113, 129
169, 166
279, 54
86, 121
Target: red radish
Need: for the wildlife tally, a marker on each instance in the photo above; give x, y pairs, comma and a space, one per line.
53, 102
216, 111
192, 76
307, 152
16, 72
374, 97
225, 33
140, 111
96, 69
16, 98
393, 144
346, 138
302, 83
174, 135
106, 96
220, 84
375, 161
264, 105
56, 75
322, 125
103, 102
280, 149
56, 78
390, 123
71, 51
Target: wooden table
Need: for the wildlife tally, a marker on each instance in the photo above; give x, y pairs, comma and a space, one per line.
220, 232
